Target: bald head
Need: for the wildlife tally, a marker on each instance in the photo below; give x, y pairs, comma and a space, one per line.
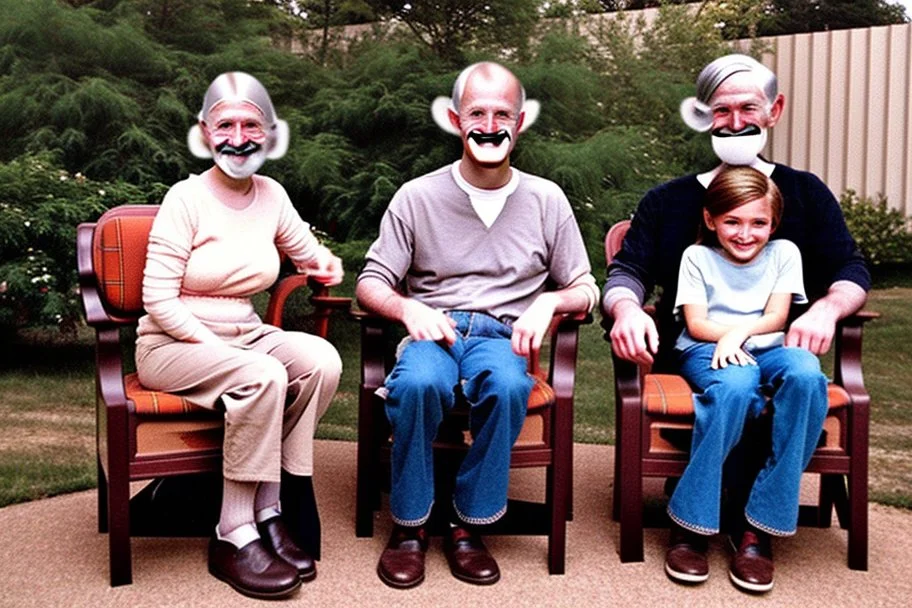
488, 74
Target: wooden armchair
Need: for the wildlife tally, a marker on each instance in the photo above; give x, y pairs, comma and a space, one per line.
546, 439
144, 434
651, 409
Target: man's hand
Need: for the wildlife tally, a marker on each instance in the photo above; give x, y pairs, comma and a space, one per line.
529, 329
634, 336
812, 331
426, 323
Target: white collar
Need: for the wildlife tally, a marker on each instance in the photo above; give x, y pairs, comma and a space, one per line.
759, 164
487, 203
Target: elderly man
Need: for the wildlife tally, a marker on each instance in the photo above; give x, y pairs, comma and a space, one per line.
738, 102
474, 244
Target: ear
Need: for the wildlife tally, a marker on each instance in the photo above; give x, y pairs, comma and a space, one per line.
708, 220
776, 110
454, 119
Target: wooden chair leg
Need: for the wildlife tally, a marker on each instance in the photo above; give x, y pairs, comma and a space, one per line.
858, 515
102, 498
119, 530
631, 491
367, 483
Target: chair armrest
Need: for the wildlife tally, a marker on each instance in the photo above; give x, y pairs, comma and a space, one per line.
847, 360
323, 303
374, 329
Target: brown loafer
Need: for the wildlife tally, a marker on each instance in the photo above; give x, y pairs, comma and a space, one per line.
469, 558
685, 560
276, 538
752, 565
252, 570
402, 562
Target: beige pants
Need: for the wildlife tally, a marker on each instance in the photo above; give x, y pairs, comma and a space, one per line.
272, 385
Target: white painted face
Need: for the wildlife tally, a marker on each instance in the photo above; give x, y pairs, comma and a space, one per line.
741, 118
489, 117
236, 134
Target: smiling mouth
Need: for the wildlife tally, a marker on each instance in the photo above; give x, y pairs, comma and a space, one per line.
489, 138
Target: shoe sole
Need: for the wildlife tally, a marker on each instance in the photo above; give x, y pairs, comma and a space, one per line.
260, 595
397, 584
749, 587
683, 577
477, 581
306, 578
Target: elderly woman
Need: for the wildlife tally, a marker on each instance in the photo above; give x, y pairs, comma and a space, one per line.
214, 244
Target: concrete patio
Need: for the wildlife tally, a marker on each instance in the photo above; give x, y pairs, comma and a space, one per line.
52, 556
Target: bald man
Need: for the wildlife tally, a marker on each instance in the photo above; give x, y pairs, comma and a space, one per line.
475, 244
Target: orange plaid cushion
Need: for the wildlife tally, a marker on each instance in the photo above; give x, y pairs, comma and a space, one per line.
120, 256
670, 395
542, 394
156, 402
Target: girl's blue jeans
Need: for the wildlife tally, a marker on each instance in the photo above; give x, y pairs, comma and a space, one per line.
723, 400
421, 390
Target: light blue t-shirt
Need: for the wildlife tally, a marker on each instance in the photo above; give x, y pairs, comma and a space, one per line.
735, 293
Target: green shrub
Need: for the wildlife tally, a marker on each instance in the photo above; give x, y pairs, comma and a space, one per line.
40, 207
882, 233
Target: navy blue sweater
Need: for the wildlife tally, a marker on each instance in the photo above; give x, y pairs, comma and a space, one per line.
668, 217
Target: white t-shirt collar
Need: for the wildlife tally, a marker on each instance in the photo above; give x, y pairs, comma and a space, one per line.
487, 203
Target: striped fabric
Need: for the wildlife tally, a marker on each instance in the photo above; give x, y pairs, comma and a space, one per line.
120, 256
670, 395
542, 394
156, 402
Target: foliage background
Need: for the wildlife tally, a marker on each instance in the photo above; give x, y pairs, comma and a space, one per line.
97, 97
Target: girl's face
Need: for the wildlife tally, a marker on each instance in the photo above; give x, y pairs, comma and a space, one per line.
743, 231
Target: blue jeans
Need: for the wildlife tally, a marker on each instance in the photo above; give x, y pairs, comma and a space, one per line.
723, 400
421, 389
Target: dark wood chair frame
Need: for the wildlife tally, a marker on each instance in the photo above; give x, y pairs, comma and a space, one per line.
116, 417
555, 452
843, 467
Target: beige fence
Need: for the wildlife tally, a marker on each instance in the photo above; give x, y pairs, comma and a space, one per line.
847, 115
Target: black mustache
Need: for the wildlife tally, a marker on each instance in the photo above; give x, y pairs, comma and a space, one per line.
245, 149
489, 138
726, 132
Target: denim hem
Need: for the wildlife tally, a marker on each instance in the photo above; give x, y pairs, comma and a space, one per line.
411, 523
691, 527
768, 529
479, 521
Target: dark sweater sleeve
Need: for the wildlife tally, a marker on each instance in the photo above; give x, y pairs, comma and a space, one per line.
831, 254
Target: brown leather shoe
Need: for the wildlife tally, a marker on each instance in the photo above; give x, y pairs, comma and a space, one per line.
252, 570
469, 558
752, 566
276, 538
685, 560
402, 562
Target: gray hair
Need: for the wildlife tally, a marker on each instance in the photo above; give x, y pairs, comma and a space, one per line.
240, 87
696, 111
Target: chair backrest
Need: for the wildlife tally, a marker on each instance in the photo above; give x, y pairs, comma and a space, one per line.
614, 239
119, 256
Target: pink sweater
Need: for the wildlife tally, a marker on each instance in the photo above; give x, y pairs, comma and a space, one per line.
205, 259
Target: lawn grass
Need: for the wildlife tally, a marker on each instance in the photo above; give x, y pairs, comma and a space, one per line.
47, 403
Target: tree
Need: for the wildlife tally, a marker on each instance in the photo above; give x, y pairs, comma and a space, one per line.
449, 28
797, 16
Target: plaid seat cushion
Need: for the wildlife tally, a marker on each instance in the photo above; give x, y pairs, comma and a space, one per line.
670, 395
156, 402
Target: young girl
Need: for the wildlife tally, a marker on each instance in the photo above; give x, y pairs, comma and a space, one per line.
734, 292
